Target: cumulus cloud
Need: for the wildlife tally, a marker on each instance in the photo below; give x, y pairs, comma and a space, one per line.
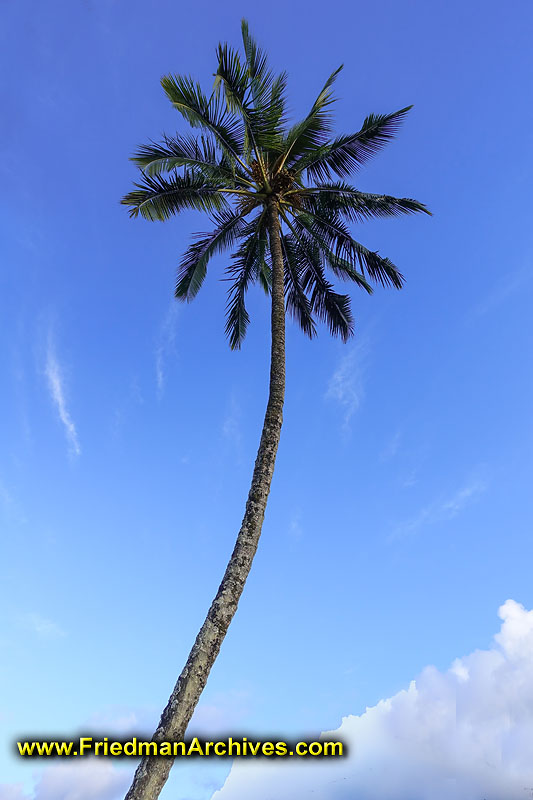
12, 791
465, 734
57, 393
90, 779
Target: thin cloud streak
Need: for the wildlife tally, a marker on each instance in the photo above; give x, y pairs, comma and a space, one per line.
502, 292
166, 346
57, 393
440, 511
391, 448
346, 384
43, 627
231, 425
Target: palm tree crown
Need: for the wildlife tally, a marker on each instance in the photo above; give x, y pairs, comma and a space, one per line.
247, 160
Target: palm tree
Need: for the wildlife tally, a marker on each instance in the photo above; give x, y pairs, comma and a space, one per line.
277, 195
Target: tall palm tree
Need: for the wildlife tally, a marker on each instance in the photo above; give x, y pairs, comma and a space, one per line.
277, 196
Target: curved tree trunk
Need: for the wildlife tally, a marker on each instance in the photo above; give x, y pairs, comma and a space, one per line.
152, 773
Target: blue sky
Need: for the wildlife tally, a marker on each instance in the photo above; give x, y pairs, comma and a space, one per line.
400, 514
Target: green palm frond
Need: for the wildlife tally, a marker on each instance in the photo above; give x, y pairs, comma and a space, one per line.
297, 301
245, 161
357, 206
343, 269
346, 154
332, 308
256, 59
379, 269
193, 266
157, 198
333, 233
329, 229
254, 93
210, 115
198, 154
266, 89
247, 266
311, 132
232, 76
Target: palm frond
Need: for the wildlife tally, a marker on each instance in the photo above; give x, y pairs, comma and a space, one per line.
344, 269
196, 154
329, 306
312, 131
157, 198
232, 76
248, 265
330, 230
331, 234
357, 206
256, 59
210, 115
346, 154
379, 269
253, 92
194, 263
297, 301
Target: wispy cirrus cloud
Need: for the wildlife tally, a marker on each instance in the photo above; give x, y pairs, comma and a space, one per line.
56, 387
441, 510
231, 424
165, 346
346, 385
295, 525
231, 429
391, 448
43, 627
505, 289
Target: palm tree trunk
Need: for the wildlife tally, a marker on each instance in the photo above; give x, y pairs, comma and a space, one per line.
152, 772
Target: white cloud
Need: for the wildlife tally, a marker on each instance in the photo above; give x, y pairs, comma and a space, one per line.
5, 496
225, 712
56, 387
166, 345
87, 779
295, 525
10, 508
464, 734
346, 384
123, 720
44, 628
441, 510
120, 722
231, 424
511, 284
391, 448
12, 791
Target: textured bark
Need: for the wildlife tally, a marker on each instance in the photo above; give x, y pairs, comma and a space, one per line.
152, 773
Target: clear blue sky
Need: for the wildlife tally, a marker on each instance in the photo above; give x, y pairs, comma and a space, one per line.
400, 515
